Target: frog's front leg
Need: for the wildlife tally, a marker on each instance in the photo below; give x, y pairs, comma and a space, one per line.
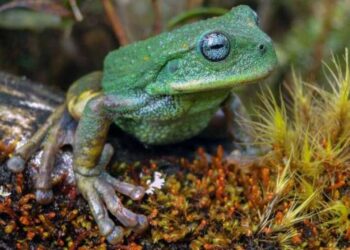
231, 121
237, 127
235, 117
91, 155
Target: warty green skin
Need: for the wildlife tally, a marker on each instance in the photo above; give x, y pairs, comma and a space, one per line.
176, 88
161, 90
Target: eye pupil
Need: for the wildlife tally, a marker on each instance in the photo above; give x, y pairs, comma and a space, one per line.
215, 46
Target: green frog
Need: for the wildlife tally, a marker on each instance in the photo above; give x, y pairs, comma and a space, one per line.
162, 90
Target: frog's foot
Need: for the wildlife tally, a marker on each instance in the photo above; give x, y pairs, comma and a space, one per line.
22, 154
57, 130
99, 189
16, 164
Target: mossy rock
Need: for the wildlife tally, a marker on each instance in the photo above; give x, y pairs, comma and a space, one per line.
24, 106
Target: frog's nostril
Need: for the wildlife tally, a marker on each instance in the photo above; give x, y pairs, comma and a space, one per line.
262, 48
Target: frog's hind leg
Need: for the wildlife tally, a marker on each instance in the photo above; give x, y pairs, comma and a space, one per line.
58, 130
21, 155
60, 134
231, 121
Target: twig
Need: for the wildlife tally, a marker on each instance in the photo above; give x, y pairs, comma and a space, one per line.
76, 11
265, 10
157, 25
113, 18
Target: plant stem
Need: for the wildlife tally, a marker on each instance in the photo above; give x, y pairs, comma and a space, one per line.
113, 18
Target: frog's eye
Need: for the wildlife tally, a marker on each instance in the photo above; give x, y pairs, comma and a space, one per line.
214, 46
256, 18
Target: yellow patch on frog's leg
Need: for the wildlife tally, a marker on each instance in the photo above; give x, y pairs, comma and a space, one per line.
77, 104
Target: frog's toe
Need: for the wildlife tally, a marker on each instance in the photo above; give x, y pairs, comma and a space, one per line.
114, 205
16, 164
134, 192
116, 236
44, 196
128, 218
142, 223
137, 193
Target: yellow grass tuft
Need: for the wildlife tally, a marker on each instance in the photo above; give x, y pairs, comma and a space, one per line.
312, 131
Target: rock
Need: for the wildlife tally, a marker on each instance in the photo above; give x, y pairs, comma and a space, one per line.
24, 106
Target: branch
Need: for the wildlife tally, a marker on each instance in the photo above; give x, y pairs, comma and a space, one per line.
113, 18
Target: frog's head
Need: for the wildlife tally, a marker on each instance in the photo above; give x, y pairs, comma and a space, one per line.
218, 53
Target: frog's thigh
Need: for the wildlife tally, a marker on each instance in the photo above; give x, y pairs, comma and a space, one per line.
82, 91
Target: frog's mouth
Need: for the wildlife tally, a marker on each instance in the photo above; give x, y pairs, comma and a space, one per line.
208, 84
